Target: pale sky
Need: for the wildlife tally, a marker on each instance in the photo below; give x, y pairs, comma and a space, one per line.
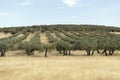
40, 12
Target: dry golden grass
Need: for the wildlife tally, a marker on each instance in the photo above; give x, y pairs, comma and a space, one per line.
43, 38
3, 35
54, 35
29, 37
21, 67
20, 35
115, 32
62, 34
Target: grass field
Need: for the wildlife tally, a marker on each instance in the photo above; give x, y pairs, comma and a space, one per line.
21, 67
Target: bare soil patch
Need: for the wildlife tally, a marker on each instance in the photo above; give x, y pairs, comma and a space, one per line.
20, 35
3, 35
53, 34
115, 32
29, 37
43, 38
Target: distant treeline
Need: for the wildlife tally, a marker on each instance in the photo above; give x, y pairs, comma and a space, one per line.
59, 27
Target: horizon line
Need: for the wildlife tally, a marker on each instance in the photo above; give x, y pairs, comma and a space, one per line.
57, 24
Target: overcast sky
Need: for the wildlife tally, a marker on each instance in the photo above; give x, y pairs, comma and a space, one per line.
37, 12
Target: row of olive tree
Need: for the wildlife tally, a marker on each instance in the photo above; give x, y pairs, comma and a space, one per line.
32, 45
60, 27
51, 38
8, 43
108, 43
35, 45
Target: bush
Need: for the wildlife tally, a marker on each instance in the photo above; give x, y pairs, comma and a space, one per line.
88, 44
32, 45
63, 46
48, 47
4, 46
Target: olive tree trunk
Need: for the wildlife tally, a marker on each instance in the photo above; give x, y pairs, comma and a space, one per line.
69, 52
46, 52
60, 52
111, 52
30, 52
93, 52
88, 52
105, 51
97, 51
2, 53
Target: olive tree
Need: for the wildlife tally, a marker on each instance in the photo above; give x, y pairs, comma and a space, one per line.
4, 46
64, 46
48, 47
113, 44
108, 44
89, 44
30, 47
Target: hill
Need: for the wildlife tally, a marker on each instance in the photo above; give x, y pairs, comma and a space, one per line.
63, 38
74, 52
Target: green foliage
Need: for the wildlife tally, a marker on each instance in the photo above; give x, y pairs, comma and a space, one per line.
88, 43
9, 43
75, 37
4, 46
49, 46
51, 39
63, 45
32, 45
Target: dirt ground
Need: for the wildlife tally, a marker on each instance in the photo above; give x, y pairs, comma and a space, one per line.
3, 35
